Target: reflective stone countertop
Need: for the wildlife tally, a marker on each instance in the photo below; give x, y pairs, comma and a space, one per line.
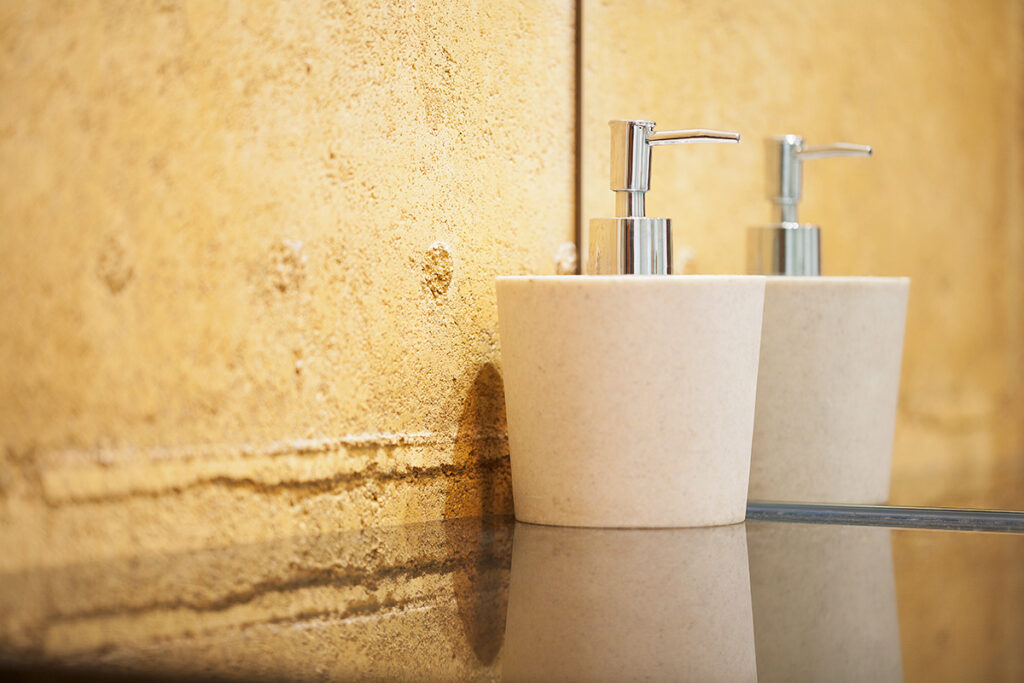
489, 599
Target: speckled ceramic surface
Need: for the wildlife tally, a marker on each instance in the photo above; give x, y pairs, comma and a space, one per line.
630, 399
827, 389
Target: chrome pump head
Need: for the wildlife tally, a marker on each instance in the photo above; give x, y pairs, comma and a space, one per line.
789, 247
632, 243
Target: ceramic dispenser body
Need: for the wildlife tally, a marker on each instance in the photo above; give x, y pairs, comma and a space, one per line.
828, 384
630, 400
831, 350
630, 393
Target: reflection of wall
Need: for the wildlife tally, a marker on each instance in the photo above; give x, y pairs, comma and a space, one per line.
247, 261
936, 87
414, 602
960, 598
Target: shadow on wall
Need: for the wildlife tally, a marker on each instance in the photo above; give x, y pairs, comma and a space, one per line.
481, 485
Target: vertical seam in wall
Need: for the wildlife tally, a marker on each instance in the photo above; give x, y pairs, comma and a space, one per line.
577, 190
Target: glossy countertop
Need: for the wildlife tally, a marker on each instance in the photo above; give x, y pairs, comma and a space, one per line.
490, 599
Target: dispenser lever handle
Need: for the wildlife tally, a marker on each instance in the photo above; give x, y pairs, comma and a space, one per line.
682, 137
836, 149
785, 164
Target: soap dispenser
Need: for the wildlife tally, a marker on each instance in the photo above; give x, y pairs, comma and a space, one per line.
629, 390
831, 349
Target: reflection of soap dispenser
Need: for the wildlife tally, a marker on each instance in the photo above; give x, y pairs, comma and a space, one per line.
831, 348
824, 601
629, 605
630, 391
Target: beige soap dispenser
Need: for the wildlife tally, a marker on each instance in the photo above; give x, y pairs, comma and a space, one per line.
831, 349
629, 391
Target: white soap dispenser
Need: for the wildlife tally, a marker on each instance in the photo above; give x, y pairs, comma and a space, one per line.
831, 349
630, 391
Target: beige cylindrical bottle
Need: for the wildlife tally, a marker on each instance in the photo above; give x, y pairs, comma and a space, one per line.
630, 391
630, 400
831, 348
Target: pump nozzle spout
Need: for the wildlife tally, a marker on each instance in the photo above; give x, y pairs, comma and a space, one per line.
631, 243
632, 141
786, 155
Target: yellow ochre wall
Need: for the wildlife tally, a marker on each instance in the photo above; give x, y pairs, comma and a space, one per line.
248, 248
247, 262
937, 87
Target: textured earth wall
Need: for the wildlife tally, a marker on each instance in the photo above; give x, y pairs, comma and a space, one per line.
248, 260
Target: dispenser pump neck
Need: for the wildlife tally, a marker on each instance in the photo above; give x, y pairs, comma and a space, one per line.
632, 243
786, 155
631, 159
788, 247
